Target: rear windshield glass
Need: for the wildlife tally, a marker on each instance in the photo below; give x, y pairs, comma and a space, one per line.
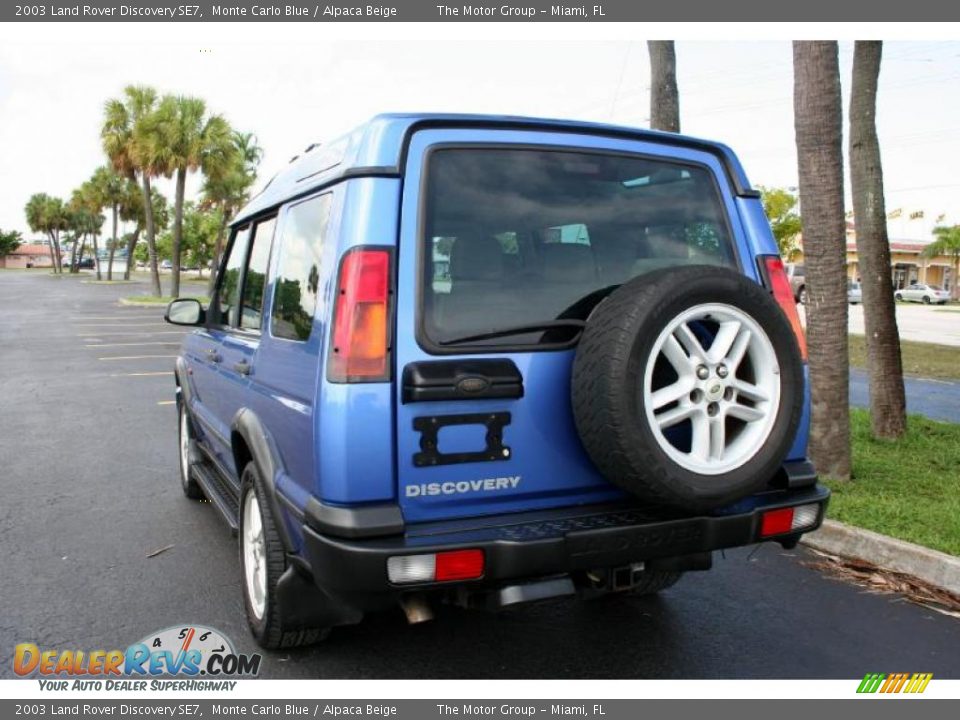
523, 237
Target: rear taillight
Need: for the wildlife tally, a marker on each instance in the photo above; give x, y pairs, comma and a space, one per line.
788, 520
779, 284
436, 567
361, 322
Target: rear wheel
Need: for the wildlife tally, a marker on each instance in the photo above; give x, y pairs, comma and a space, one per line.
926, 299
898, 297
188, 483
262, 563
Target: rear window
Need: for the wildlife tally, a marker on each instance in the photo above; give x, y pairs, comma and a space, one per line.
518, 237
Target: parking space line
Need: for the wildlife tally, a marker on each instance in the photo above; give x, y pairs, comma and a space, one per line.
125, 325
138, 332
165, 402
128, 344
115, 317
159, 373
137, 357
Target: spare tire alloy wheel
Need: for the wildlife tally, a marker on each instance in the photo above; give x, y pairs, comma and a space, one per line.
688, 386
729, 391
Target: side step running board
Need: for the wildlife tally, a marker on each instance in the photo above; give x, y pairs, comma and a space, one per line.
219, 492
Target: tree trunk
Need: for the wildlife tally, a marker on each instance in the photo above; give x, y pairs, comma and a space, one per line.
131, 246
83, 247
217, 251
113, 245
53, 258
664, 99
178, 231
96, 256
56, 252
151, 239
74, 263
818, 120
888, 404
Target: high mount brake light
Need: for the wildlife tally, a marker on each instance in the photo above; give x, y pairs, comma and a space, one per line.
779, 284
361, 333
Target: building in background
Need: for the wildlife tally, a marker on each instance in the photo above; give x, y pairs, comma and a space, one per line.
28, 255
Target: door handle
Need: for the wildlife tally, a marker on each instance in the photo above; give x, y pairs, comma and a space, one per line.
212, 355
242, 367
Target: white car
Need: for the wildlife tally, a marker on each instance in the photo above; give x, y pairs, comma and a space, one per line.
920, 292
854, 292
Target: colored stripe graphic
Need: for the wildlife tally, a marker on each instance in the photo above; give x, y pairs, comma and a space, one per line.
894, 683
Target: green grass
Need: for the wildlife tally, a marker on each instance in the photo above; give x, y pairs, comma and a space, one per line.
908, 489
922, 359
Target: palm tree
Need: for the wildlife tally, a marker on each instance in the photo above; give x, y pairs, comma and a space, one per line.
888, 404
48, 215
132, 140
109, 186
190, 141
947, 243
227, 185
85, 205
818, 119
664, 98
131, 210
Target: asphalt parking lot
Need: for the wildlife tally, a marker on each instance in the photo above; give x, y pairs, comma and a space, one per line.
90, 491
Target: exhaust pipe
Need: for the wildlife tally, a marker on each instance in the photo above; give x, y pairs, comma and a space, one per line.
416, 608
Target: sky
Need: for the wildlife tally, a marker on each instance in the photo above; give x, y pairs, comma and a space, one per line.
294, 91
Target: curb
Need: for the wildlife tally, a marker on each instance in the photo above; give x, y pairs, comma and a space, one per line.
135, 303
931, 566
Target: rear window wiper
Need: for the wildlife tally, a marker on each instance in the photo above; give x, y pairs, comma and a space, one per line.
517, 330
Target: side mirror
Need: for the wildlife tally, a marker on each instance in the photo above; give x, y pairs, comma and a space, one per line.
185, 311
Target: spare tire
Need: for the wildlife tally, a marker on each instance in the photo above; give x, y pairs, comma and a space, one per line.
687, 387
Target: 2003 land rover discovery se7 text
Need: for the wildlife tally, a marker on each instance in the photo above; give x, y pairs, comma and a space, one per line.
487, 360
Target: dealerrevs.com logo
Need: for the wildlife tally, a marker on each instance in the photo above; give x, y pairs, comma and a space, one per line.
201, 657
887, 683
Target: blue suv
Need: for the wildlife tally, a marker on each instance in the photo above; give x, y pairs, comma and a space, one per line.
489, 360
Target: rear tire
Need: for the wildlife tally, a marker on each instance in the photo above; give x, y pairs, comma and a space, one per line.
262, 563
898, 297
191, 488
672, 419
926, 299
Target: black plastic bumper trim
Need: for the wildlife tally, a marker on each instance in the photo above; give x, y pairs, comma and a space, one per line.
356, 522
356, 569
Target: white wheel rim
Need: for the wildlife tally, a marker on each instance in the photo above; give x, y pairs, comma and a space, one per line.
254, 555
184, 446
729, 392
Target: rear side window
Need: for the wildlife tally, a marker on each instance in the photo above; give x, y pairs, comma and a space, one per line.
228, 292
298, 271
253, 283
517, 237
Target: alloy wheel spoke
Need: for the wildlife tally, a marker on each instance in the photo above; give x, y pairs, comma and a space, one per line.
690, 343
725, 338
700, 436
750, 391
718, 437
747, 414
672, 393
674, 353
739, 348
674, 415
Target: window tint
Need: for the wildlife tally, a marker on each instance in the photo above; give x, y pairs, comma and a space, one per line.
522, 237
253, 283
228, 291
298, 272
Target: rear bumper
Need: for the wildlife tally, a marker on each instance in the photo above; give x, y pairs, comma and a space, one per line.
533, 545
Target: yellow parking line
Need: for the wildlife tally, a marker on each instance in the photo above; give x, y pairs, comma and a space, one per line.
143, 374
166, 402
125, 344
125, 325
137, 357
